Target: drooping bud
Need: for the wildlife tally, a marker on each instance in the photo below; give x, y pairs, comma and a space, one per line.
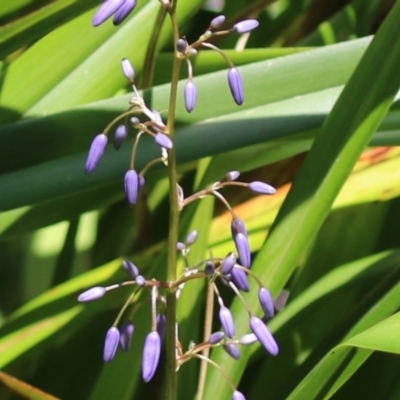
96, 151
125, 339
190, 95
264, 335
121, 133
191, 237
261, 188
131, 186
232, 350
243, 249
161, 321
130, 268
236, 85
163, 141
238, 395
111, 344
140, 280
216, 337
226, 318
238, 226
124, 11
232, 176
108, 8
247, 339
217, 22
94, 293
245, 26
267, 302
151, 355
182, 45
239, 278
128, 70
180, 246
227, 263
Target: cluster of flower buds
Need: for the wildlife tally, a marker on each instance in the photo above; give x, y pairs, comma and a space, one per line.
120, 9
187, 51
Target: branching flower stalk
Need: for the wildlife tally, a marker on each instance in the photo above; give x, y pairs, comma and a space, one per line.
232, 270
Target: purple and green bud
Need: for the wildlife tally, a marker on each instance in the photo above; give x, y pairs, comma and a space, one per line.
151, 355
124, 11
236, 85
96, 151
217, 22
240, 279
226, 318
191, 237
247, 339
163, 141
232, 350
216, 337
161, 321
245, 26
92, 294
125, 339
264, 335
108, 8
243, 249
267, 302
228, 263
111, 344
261, 188
130, 268
238, 395
190, 95
127, 70
131, 184
140, 280
121, 133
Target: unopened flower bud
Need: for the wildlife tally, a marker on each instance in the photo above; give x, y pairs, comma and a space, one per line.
108, 8
125, 339
245, 26
232, 176
182, 45
94, 293
131, 186
124, 11
264, 335
232, 350
247, 339
130, 268
217, 22
128, 70
121, 133
227, 263
180, 246
238, 226
135, 121
216, 337
239, 278
238, 395
151, 355
261, 188
96, 151
140, 280
243, 249
191, 237
209, 268
163, 141
226, 318
190, 95
111, 344
236, 85
267, 302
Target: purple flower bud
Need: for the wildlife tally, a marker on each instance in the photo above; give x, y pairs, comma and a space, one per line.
130, 268
182, 45
180, 246
163, 141
128, 70
135, 121
108, 8
264, 335
125, 339
249, 338
227, 263
226, 319
124, 11
232, 350
243, 248
121, 133
151, 355
111, 344
216, 337
217, 22
238, 395
161, 320
281, 300
267, 302
261, 188
209, 268
131, 186
140, 281
238, 226
92, 294
190, 95
191, 237
236, 85
232, 176
96, 151
239, 278
245, 26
